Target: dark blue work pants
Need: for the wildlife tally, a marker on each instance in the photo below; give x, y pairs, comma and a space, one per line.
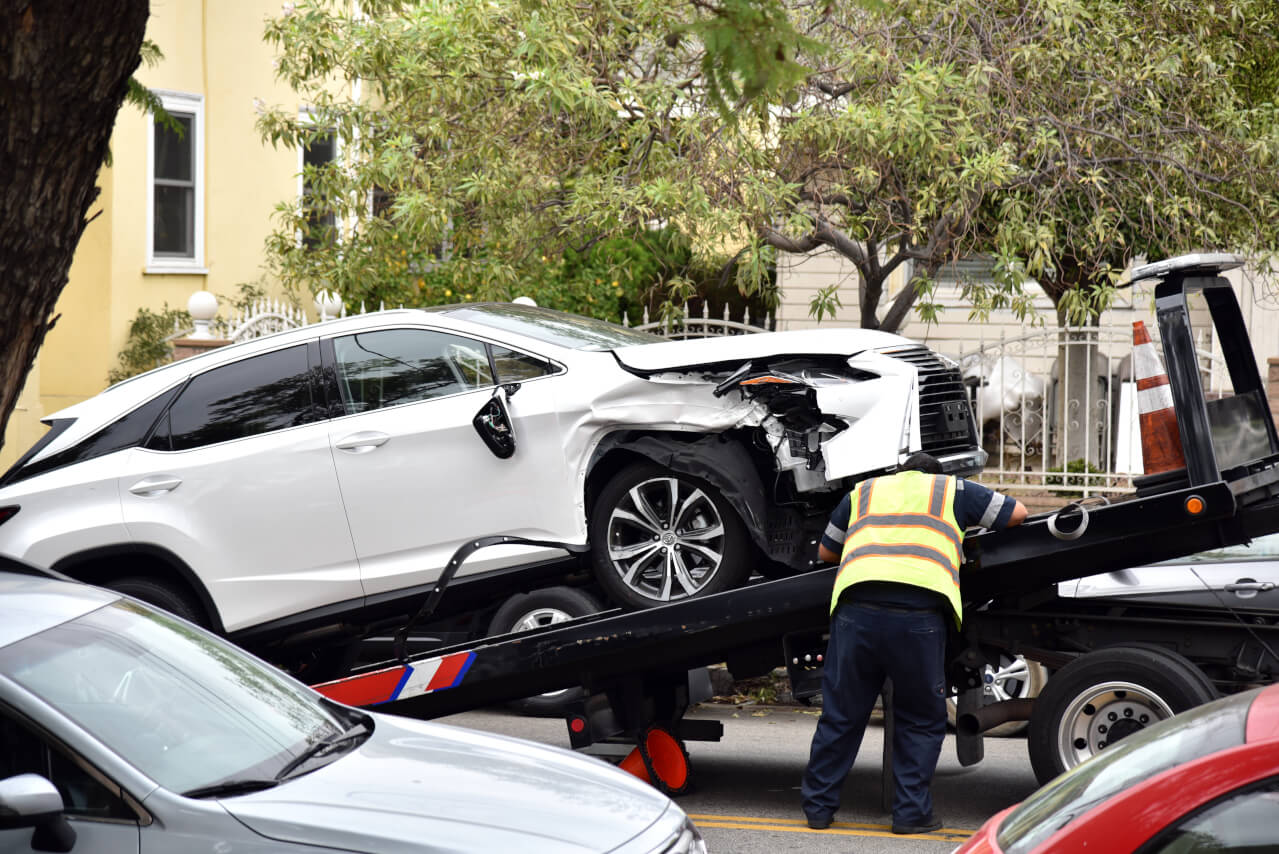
866, 645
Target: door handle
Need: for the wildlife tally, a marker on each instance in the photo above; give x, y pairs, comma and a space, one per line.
362, 442
149, 486
1253, 586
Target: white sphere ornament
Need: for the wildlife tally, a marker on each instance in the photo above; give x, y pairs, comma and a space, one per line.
524, 301
203, 307
328, 303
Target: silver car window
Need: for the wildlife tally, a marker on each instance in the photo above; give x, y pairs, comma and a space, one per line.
389, 367
182, 706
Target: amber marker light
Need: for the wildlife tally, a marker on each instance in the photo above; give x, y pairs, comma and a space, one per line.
1194, 505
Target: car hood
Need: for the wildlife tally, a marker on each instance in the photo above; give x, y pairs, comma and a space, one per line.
457, 790
696, 352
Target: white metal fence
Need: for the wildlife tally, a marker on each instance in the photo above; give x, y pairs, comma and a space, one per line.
1057, 407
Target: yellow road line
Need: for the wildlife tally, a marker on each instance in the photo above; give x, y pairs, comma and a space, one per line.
839, 828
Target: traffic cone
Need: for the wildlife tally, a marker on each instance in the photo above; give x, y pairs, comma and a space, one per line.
1160, 437
660, 760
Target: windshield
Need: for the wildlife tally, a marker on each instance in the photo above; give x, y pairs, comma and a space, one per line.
571, 331
182, 706
1198, 732
1262, 548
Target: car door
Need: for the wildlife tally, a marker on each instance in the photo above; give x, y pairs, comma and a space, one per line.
417, 478
238, 481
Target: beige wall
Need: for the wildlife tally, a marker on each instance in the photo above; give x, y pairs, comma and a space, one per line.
214, 49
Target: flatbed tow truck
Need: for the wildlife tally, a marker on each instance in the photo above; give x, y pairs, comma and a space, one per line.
1114, 678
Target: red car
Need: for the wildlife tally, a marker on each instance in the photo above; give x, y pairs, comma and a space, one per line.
1206, 780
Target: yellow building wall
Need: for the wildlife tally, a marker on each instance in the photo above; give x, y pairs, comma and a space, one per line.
214, 49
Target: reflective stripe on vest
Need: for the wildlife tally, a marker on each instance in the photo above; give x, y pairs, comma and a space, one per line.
902, 528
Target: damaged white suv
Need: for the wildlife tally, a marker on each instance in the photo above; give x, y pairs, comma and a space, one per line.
321, 477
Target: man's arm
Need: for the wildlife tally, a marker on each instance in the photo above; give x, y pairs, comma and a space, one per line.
1019, 513
825, 555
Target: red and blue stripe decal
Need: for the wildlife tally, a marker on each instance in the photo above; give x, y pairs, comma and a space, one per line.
400, 682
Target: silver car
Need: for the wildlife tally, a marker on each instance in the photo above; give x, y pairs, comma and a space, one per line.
124, 729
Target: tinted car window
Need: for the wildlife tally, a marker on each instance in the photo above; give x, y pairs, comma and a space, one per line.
554, 327
246, 398
124, 432
513, 367
1246, 822
394, 366
23, 750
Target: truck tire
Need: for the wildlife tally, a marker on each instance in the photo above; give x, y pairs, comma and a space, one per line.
526, 611
170, 596
661, 536
1015, 678
1105, 695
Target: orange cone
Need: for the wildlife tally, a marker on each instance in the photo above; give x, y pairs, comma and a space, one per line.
1160, 437
660, 760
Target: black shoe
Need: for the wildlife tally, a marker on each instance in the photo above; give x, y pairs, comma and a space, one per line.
819, 822
928, 825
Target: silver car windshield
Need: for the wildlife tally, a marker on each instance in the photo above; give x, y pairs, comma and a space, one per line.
571, 331
182, 706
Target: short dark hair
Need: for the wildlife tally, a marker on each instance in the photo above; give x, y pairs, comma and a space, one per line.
920, 461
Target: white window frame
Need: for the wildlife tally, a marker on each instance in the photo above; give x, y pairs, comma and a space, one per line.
307, 117
193, 105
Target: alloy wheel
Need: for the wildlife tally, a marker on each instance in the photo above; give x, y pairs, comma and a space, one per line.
666, 538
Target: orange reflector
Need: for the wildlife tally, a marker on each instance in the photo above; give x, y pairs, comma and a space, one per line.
1194, 505
769, 379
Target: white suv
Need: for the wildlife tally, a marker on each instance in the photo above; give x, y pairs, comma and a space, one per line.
313, 481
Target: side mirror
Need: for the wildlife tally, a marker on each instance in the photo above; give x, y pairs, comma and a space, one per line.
493, 423
29, 800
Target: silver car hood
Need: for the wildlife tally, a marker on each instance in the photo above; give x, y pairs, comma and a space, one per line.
671, 355
416, 786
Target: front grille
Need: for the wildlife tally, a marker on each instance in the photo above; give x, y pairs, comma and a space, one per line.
946, 424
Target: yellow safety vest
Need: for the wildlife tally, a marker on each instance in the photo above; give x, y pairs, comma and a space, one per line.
902, 528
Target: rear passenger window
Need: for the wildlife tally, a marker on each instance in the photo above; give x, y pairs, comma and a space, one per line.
246, 398
394, 366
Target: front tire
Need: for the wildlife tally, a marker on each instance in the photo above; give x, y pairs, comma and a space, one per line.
1104, 696
661, 536
527, 611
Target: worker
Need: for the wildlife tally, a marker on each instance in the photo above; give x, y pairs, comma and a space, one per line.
898, 540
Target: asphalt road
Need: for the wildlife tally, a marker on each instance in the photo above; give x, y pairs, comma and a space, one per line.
745, 794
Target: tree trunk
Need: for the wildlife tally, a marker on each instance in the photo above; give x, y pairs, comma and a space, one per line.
64, 71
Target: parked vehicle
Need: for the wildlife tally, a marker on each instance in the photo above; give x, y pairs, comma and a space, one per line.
310, 482
1202, 781
125, 729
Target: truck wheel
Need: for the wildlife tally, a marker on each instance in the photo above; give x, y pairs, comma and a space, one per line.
172, 597
1011, 678
1106, 695
660, 536
526, 611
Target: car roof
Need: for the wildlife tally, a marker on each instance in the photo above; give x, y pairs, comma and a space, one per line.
33, 600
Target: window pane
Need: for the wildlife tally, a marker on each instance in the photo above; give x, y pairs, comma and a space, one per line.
321, 222
394, 366
173, 151
23, 751
175, 221
513, 367
1243, 822
258, 395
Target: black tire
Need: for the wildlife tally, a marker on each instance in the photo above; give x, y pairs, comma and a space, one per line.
1106, 695
1016, 678
526, 611
171, 596
705, 539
